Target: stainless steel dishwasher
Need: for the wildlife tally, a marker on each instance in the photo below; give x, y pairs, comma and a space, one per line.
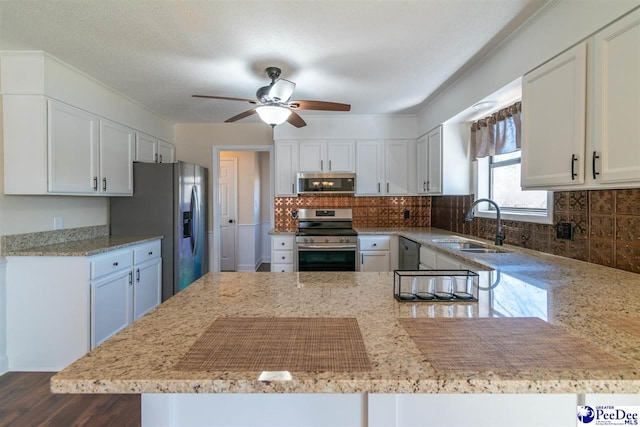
409, 258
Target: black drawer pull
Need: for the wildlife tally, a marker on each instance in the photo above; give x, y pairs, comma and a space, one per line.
150, 252
593, 165
115, 264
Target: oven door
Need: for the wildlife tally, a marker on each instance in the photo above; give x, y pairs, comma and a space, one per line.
324, 258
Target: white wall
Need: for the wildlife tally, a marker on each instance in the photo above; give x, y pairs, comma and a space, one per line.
265, 208
563, 24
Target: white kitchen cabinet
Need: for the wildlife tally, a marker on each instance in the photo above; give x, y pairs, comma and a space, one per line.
369, 168
73, 154
397, 158
374, 253
283, 253
385, 168
146, 148
614, 156
60, 307
116, 159
286, 164
153, 150
326, 156
111, 305
166, 152
553, 121
428, 258
443, 161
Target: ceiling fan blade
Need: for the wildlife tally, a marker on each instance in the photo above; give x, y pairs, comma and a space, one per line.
225, 98
296, 120
282, 90
241, 116
319, 105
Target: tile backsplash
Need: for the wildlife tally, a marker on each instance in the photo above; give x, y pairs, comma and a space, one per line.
367, 211
606, 226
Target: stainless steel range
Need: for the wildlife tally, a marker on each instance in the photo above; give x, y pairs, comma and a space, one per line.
326, 240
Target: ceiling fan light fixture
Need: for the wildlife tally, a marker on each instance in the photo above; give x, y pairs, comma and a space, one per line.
273, 114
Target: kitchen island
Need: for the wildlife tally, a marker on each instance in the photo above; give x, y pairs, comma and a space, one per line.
587, 302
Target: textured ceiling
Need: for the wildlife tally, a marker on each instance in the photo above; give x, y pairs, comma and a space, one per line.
381, 56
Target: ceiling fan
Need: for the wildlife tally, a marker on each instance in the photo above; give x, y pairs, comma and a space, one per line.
273, 103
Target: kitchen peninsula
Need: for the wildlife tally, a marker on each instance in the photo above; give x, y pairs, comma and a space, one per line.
597, 305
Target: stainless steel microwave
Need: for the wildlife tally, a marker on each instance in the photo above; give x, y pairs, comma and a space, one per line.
324, 183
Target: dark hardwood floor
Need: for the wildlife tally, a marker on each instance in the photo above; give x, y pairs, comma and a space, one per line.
25, 400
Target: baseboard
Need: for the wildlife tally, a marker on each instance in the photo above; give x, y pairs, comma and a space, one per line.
245, 267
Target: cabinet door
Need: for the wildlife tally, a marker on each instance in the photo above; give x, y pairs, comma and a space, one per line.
374, 261
116, 159
553, 121
434, 168
111, 311
443, 262
396, 158
312, 155
369, 168
286, 166
166, 152
146, 287
72, 150
422, 151
146, 148
617, 103
340, 156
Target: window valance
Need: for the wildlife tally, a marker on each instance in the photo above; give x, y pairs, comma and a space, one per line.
498, 133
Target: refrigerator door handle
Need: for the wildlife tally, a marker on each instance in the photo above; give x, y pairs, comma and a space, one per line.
195, 219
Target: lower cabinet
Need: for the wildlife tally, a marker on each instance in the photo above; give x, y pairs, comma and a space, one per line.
283, 253
60, 307
374, 253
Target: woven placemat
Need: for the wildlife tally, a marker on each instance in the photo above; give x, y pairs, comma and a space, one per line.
503, 344
278, 344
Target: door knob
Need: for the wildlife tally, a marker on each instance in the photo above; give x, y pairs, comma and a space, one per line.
230, 221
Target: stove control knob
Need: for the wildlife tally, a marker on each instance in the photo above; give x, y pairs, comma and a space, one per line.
305, 240
326, 240
343, 240
310, 240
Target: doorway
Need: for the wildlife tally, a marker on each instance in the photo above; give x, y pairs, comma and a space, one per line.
244, 243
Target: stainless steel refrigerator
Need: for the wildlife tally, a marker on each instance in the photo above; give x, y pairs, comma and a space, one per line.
169, 199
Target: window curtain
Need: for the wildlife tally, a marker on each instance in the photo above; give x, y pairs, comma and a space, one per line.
498, 133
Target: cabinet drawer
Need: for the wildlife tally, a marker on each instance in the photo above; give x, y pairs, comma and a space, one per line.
110, 263
282, 242
374, 243
282, 268
427, 257
282, 257
146, 252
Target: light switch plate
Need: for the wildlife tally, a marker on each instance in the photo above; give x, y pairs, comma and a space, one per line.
564, 231
57, 223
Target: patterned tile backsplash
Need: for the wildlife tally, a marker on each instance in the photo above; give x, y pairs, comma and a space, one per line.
606, 226
367, 211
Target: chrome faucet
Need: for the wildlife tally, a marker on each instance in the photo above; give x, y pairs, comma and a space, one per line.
499, 233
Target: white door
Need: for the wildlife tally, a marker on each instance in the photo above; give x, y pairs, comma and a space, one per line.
116, 158
228, 199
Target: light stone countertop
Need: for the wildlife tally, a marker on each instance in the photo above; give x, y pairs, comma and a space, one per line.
574, 295
86, 247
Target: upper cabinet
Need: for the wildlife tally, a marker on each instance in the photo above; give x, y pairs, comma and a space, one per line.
326, 156
58, 140
153, 150
553, 121
385, 168
443, 161
286, 164
560, 149
615, 153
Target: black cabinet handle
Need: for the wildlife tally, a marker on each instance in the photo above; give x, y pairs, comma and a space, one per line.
574, 159
593, 165
150, 252
95, 183
104, 184
137, 275
115, 264
130, 278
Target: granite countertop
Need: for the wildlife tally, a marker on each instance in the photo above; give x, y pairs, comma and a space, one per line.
86, 247
576, 296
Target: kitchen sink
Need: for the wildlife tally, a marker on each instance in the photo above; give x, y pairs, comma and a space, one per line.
473, 247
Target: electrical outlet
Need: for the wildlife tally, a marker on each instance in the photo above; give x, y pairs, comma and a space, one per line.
406, 214
57, 223
564, 231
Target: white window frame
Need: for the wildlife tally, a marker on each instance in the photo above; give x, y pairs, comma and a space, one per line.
481, 174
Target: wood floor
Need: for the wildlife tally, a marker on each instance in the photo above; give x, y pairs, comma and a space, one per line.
25, 400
